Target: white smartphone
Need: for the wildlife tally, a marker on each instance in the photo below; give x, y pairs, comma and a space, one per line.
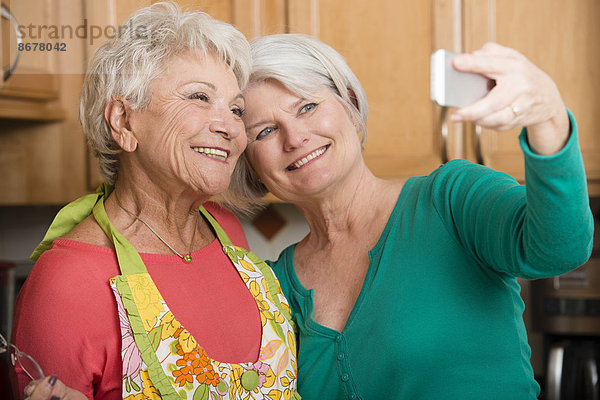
452, 88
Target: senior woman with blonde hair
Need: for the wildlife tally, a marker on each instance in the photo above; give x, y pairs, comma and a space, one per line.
144, 289
408, 289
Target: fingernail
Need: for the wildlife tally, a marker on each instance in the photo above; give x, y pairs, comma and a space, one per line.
52, 381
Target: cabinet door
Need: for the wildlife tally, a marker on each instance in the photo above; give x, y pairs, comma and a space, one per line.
30, 91
562, 39
388, 46
44, 162
34, 76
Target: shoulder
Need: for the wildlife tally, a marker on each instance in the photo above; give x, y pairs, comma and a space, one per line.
68, 283
229, 222
457, 177
70, 273
69, 261
70, 276
88, 231
466, 170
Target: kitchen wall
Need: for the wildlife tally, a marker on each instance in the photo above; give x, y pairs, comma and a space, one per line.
274, 229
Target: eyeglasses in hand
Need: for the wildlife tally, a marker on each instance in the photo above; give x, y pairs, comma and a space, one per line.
22, 360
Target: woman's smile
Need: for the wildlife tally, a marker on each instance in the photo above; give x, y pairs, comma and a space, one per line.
302, 161
213, 152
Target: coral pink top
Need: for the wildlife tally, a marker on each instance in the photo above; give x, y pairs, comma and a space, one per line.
66, 314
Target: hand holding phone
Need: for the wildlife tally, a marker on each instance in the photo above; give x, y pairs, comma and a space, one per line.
452, 88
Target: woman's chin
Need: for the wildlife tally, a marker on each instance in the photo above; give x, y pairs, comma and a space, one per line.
211, 189
306, 191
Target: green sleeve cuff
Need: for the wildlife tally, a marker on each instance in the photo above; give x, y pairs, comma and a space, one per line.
571, 142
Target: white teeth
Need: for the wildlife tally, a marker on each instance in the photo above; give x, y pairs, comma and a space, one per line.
309, 157
211, 152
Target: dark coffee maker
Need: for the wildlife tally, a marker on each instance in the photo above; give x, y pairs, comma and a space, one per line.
566, 309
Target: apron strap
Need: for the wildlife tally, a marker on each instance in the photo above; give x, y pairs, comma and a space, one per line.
69, 216
130, 261
272, 284
221, 235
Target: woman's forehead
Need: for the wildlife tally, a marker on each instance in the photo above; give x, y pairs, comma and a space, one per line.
189, 67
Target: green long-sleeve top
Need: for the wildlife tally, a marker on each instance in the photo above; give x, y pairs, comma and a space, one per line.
439, 315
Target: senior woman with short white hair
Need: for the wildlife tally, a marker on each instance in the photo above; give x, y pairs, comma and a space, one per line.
408, 289
144, 289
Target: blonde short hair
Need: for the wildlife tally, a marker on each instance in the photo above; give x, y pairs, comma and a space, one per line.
126, 65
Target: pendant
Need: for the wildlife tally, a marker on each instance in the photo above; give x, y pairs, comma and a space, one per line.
187, 258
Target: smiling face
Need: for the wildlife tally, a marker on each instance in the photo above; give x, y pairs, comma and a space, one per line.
191, 133
299, 147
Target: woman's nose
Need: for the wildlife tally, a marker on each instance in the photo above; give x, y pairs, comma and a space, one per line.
225, 123
295, 138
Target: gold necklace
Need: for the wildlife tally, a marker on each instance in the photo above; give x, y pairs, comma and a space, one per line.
186, 258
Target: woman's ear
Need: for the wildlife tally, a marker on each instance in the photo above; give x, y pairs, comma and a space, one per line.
116, 114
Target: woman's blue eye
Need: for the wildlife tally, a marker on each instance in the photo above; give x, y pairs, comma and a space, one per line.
264, 133
308, 107
198, 96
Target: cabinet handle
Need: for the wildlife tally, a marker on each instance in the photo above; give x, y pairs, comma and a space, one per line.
478, 152
444, 135
554, 372
591, 378
6, 14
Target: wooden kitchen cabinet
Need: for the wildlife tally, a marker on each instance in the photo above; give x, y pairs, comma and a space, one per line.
387, 43
42, 150
31, 92
562, 40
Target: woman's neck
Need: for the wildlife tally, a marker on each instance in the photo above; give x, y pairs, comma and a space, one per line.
171, 212
348, 209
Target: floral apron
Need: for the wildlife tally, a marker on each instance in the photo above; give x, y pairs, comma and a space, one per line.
161, 359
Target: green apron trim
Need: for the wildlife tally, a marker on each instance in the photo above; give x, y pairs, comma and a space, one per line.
155, 372
130, 261
223, 238
69, 216
271, 283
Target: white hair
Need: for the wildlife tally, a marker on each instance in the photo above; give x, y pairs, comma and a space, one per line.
126, 65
